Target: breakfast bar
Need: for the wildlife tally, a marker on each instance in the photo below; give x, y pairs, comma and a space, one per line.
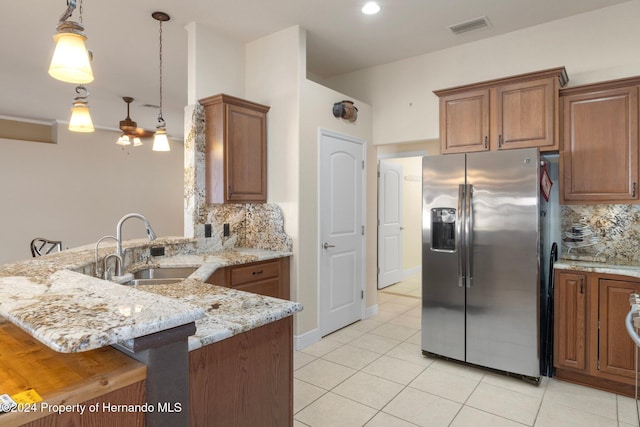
182, 329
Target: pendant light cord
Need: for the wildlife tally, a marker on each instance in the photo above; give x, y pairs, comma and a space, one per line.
160, 118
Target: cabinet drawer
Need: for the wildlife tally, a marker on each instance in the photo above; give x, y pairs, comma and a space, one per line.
269, 287
254, 272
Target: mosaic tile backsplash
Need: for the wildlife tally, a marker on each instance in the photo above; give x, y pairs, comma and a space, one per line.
616, 228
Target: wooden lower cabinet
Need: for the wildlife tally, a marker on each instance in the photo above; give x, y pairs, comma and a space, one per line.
591, 344
245, 380
270, 278
570, 342
124, 397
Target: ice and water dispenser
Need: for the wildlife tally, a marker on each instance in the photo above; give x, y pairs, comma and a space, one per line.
443, 229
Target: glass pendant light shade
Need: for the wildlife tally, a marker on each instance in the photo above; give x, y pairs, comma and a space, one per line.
160, 140
137, 142
71, 61
123, 140
80, 118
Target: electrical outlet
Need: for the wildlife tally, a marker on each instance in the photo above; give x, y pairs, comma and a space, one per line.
225, 230
207, 230
157, 251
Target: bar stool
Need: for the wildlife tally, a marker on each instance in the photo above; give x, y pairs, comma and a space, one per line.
40, 246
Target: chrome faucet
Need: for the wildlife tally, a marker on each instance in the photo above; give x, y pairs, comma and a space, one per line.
98, 269
119, 252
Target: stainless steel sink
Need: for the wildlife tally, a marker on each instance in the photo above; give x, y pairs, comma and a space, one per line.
164, 273
160, 275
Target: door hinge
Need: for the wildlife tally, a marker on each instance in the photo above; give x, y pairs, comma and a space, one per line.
361, 294
598, 364
363, 230
378, 174
363, 164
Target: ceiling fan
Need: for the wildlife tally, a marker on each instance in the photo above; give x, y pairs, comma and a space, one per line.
130, 130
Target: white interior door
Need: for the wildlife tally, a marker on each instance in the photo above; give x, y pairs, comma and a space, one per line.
389, 224
341, 231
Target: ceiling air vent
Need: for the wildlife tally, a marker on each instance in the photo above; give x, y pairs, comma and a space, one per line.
474, 24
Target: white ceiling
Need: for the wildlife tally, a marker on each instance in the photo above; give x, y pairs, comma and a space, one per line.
124, 39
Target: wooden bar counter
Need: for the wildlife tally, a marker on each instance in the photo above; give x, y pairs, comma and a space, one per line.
97, 387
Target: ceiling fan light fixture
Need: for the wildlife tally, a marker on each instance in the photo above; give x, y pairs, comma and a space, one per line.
137, 141
80, 117
123, 140
71, 61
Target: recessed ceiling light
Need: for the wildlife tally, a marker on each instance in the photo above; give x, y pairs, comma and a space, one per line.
371, 8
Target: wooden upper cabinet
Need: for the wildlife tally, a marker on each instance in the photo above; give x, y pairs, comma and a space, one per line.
599, 160
236, 150
514, 112
526, 115
464, 122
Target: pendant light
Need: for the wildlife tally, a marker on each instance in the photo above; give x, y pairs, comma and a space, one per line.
80, 118
160, 140
71, 61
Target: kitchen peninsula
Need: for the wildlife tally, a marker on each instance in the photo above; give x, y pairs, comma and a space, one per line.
58, 300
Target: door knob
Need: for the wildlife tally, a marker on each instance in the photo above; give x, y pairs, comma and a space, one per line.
327, 246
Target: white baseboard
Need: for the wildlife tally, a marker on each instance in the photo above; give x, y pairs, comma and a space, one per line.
306, 339
371, 311
411, 271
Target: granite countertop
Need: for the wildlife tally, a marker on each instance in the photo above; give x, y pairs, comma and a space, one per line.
605, 267
71, 312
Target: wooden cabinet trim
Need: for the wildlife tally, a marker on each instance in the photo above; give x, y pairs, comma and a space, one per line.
559, 72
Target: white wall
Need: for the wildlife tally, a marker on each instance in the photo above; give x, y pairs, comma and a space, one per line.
215, 64
315, 113
594, 46
78, 189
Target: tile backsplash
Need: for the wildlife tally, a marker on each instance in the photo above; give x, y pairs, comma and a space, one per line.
617, 228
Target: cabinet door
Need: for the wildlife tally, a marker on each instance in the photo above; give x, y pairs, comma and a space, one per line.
464, 122
599, 160
570, 337
615, 348
526, 115
246, 155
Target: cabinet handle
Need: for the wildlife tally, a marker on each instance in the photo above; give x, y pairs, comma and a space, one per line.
230, 192
633, 190
485, 142
582, 286
499, 141
257, 272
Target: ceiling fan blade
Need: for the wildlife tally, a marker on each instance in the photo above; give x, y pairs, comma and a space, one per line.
144, 133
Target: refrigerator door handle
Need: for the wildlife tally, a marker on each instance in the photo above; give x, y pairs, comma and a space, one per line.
459, 245
468, 213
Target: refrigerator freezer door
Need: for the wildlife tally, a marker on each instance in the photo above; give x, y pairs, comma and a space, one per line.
443, 292
502, 303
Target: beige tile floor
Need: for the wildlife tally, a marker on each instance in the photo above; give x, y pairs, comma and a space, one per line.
372, 373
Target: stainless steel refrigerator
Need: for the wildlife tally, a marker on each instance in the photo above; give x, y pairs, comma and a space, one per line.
480, 259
